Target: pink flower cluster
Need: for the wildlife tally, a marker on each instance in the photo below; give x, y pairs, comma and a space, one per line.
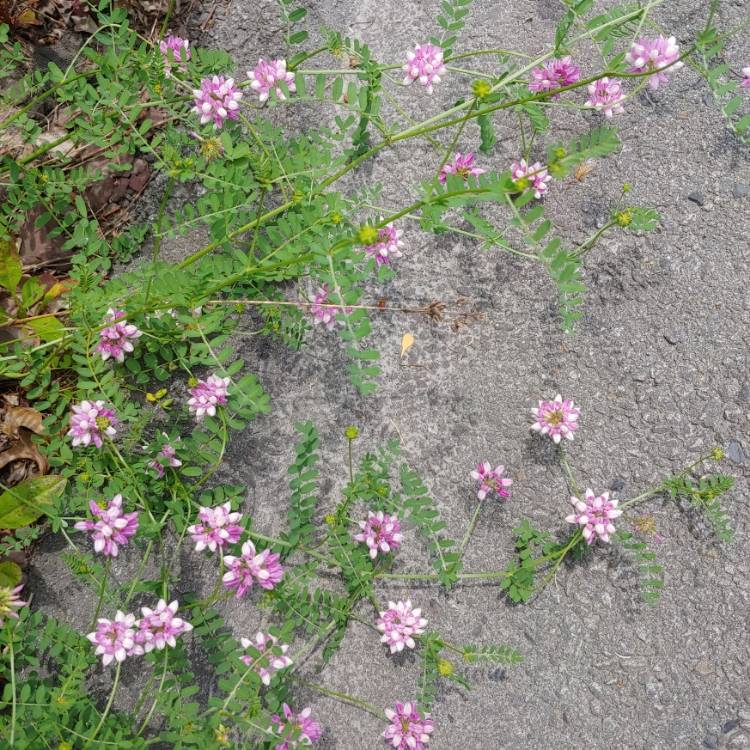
554, 74
595, 515
381, 532
398, 624
250, 567
491, 480
558, 418
207, 395
745, 78
125, 636
309, 729
408, 730
425, 64
112, 527
216, 528
178, 47
654, 55
10, 602
169, 455
388, 246
267, 663
265, 77
116, 340
462, 165
217, 100
606, 96
536, 175
321, 311
90, 421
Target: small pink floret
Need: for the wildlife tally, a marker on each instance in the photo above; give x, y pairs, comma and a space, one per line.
250, 567
265, 77
179, 47
606, 96
168, 454
207, 395
217, 100
557, 418
160, 627
321, 311
595, 515
115, 639
267, 662
462, 165
10, 601
536, 174
116, 340
554, 74
399, 624
216, 528
408, 730
491, 480
90, 421
388, 246
648, 54
381, 533
310, 730
745, 78
112, 529
425, 64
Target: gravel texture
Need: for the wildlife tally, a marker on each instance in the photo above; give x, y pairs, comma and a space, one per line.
659, 366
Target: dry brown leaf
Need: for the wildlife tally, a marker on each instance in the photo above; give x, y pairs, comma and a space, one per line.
22, 449
22, 416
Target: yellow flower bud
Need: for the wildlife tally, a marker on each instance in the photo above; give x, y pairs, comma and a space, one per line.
481, 89
367, 235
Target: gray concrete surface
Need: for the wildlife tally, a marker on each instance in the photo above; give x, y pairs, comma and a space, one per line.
659, 366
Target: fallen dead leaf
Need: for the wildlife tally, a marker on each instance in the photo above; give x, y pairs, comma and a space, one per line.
22, 416
407, 341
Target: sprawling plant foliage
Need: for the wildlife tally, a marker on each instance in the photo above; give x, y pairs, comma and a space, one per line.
140, 383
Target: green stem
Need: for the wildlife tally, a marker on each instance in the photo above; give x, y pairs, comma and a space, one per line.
12, 657
158, 237
102, 589
108, 707
344, 698
469, 530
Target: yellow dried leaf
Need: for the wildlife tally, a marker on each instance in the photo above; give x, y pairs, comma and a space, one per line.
22, 416
407, 341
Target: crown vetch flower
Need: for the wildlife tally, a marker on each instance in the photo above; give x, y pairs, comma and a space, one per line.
746, 78
217, 100
89, 421
595, 515
265, 77
179, 47
116, 340
10, 602
169, 453
491, 480
536, 175
115, 639
388, 246
216, 528
159, 627
381, 532
554, 74
112, 527
425, 64
606, 96
268, 662
322, 313
207, 395
408, 730
557, 418
399, 623
463, 166
250, 567
653, 55
310, 730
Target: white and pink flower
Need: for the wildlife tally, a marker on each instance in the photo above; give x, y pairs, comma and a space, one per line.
535, 175
491, 480
250, 567
557, 418
554, 74
216, 528
606, 96
115, 639
178, 47
160, 627
660, 56
424, 64
594, 514
381, 533
408, 730
266, 76
388, 246
207, 394
399, 624
310, 730
462, 166
116, 340
90, 422
112, 529
267, 662
217, 100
